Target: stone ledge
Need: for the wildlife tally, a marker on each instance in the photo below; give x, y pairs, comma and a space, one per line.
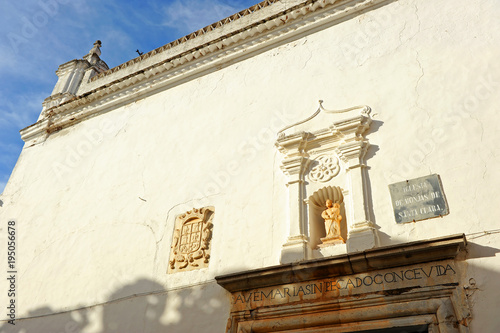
448, 247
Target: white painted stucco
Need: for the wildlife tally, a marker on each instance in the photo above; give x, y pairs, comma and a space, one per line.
95, 203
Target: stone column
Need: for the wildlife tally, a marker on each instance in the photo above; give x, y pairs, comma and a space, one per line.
361, 233
295, 162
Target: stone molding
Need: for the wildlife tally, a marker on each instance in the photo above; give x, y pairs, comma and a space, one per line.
449, 247
342, 294
254, 30
203, 31
70, 76
442, 310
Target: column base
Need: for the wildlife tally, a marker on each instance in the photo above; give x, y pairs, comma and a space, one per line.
329, 250
295, 249
362, 239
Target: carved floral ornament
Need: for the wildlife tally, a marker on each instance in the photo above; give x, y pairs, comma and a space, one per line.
325, 168
191, 241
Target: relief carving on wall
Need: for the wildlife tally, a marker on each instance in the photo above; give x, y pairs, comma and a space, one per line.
191, 242
325, 168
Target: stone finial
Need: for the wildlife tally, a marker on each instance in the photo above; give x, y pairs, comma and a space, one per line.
98, 66
96, 49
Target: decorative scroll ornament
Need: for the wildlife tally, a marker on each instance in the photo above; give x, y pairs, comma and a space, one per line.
191, 242
363, 110
326, 168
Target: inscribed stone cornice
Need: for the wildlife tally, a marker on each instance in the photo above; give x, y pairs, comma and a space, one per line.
449, 247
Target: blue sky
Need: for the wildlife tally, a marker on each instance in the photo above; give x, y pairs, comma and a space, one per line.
36, 36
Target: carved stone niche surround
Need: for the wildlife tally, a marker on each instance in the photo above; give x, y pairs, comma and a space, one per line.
342, 140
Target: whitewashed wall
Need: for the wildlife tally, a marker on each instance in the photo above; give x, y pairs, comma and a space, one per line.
95, 203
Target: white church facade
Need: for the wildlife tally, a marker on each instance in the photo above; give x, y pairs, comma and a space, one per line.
300, 166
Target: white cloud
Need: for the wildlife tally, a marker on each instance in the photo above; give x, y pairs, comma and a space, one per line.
13, 119
121, 40
8, 152
21, 110
191, 15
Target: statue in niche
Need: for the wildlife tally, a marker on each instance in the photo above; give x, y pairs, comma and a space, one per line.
332, 218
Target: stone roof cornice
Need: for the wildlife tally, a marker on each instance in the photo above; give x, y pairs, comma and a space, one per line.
183, 40
267, 23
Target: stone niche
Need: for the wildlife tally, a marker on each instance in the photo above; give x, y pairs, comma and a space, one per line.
190, 247
321, 162
415, 287
315, 207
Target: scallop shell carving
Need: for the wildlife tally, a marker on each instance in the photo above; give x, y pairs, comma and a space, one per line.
333, 193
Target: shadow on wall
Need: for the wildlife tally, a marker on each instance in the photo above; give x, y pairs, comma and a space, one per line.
481, 287
140, 307
146, 307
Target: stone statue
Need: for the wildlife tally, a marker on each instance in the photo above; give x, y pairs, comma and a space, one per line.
332, 223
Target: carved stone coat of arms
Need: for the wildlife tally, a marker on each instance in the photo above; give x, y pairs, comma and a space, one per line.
191, 241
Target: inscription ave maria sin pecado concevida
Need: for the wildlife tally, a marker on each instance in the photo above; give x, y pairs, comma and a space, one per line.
336, 286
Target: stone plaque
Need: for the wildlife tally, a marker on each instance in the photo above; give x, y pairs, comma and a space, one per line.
418, 199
